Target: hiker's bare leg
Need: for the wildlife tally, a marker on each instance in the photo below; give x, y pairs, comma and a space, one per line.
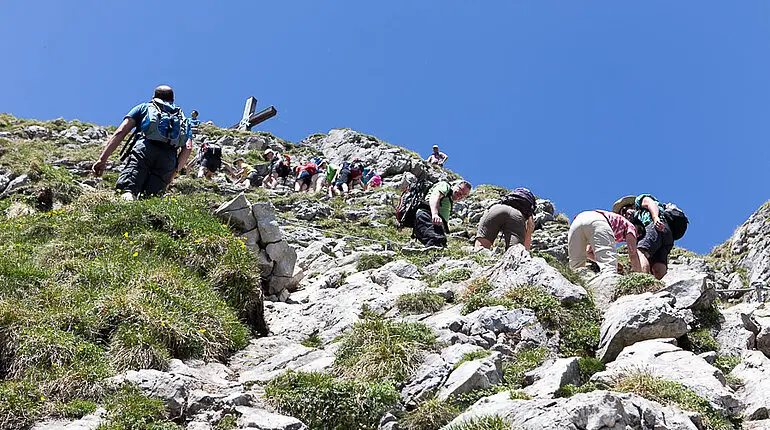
482, 242
644, 260
659, 270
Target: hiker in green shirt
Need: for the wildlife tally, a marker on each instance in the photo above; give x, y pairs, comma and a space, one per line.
431, 223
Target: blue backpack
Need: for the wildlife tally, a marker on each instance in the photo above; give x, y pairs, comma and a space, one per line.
164, 123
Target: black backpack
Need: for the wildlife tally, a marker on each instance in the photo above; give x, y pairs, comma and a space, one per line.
517, 200
214, 151
412, 199
676, 219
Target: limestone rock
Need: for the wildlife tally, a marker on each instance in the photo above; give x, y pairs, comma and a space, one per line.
15, 185
517, 267
544, 381
88, 422
636, 318
166, 386
693, 290
264, 214
261, 419
737, 332
662, 358
754, 371
426, 379
596, 410
238, 213
37, 132
472, 375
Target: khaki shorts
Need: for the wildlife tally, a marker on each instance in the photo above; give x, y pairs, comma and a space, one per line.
503, 219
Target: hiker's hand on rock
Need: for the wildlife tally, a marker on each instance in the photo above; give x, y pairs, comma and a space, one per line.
98, 168
436, 220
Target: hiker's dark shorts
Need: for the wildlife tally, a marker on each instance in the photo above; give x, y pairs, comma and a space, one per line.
305, 178
426, 232
148, 169
211, 163
657, 244
281, 170
506, 219
255, 179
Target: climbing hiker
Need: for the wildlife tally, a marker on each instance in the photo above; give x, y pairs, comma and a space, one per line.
437, 157
161, 143
356, 174
330, 173
593, 236
210, 159
280, 167
513, 216
243, 173
340, 184
371, 179
305, 174
658, 226
194, 122
431, 220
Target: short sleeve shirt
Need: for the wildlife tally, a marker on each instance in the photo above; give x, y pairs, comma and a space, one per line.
331, 170
445, 204
621, 227
643, 215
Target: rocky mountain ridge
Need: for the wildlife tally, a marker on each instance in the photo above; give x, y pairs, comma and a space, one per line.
362, 331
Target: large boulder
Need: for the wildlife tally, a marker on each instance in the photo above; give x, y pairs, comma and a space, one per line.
546, 380
261, 419
663, 359
472, 375
517, 267
636, 318
749, 247
754, 372
597, 410
426, 379
693, 290
737, 330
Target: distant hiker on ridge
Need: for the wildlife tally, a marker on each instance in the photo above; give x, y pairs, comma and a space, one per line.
513, 216
161, 145
437, 157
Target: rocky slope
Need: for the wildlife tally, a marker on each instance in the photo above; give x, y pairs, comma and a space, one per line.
350, 326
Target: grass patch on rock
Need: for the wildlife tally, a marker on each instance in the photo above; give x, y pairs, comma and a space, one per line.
456, 275
491, 422
324, 402
419, 303
129, 409
636, 283
431, 414
475, 355
103, 285
371, 261
665, 392
379, 349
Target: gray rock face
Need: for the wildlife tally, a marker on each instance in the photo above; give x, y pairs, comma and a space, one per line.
751, 245
472, 375
37, 132
603, 288
88, 422
484, 325
762, 318
426, 379
693, 290
636, 318
662, 358
309, 212
517, 267
15, 185
544, 381
754, 371
597, 410
737, 332
166, 386
260, 419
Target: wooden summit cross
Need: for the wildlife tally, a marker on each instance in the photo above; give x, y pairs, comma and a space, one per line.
250, 119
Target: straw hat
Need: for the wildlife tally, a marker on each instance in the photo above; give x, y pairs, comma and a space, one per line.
625, 201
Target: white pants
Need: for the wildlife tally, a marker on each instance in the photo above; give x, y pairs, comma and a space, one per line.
592, 228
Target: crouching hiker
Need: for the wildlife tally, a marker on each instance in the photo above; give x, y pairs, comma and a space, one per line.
660, 226
513, 216
431, 220
161, 145
593, 236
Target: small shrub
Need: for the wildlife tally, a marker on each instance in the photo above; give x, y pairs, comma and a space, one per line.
324, 402
578, 324
456, 275
419, 303
477, 286
492, 422
523, 362
726, 363
77, 409
665, 392
636, 283
379, 349
370, 261
312, 341
475, 355
535, 298
519, 395
228, 422
701, 341
430, 415
129, 409
588, 366
478, 301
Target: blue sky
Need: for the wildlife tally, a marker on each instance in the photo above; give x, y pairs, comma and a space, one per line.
582, 102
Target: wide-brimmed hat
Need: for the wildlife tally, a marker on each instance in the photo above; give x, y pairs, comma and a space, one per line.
623, 202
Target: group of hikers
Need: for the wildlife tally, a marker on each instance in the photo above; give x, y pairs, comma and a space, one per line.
162, 144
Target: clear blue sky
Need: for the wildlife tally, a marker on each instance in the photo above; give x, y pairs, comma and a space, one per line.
580, 101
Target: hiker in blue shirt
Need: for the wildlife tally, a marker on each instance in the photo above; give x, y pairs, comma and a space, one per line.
163, 144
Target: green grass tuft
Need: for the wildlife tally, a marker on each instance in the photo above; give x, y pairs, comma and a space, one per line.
228, 422
492, 422
77, 409
20, 405
419, 303
312, 341
371, 261
475, 355
379, 349
456, 275
129, 409
636, 283
324, 402
430, 415
701, 341
726, 363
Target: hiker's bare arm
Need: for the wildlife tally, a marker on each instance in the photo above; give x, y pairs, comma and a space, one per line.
633, 254
652, 206
123, 129
528, 234
184, 154
434, 204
